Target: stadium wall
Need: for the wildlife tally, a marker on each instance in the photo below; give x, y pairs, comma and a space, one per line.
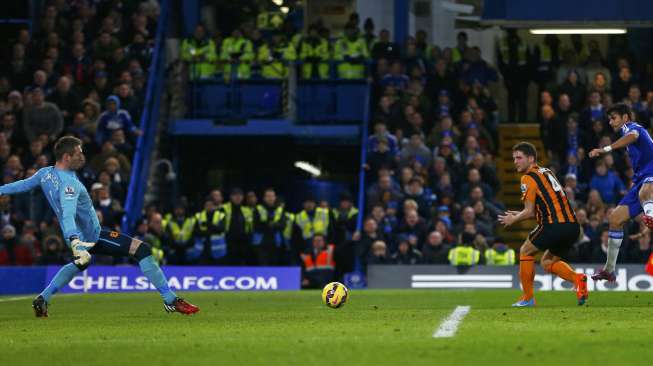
629, 278
29, 280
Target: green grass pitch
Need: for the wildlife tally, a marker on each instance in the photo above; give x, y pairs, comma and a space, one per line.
376, 327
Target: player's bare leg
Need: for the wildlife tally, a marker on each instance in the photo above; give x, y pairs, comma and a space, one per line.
646, 199
527, 254
553, 264
616, 221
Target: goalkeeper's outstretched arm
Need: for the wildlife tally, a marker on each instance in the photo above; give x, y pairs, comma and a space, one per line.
22, 185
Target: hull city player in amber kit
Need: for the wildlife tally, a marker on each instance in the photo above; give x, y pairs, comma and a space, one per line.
556, 231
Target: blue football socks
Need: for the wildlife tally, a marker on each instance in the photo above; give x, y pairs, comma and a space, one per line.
153, 272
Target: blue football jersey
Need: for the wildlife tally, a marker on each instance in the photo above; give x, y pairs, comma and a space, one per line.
68, 198
640, 151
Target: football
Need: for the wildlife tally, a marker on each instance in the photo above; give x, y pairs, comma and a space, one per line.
334, 295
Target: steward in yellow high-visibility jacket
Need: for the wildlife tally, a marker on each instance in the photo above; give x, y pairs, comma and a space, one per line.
199, 53
237, 53
351, 52
275, 56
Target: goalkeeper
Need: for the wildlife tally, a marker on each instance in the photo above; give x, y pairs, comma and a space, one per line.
81, 229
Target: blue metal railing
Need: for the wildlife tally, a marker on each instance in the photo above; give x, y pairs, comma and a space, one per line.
356, 279
149, 126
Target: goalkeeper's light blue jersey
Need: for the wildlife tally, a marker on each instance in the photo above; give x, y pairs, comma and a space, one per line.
67, 197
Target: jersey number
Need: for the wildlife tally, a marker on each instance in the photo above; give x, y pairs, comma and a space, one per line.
554, 182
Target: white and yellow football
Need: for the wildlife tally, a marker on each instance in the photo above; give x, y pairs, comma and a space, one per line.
334, 295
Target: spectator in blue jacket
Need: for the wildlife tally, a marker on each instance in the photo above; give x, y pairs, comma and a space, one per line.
114, 118
381, 133
607, 183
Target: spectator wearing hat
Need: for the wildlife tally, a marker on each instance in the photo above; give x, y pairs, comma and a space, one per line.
42, 118
114, 118
239, 225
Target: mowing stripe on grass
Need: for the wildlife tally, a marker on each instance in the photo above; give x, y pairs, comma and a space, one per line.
449, 326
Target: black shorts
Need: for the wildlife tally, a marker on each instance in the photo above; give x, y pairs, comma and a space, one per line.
556, 238
112, 243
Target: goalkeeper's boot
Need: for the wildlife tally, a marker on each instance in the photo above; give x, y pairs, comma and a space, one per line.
40, 307
581, 289
604, 275
181, 306
523, 303
648, 221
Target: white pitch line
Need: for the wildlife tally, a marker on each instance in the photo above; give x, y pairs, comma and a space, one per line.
19, 298
449, 326
7, 299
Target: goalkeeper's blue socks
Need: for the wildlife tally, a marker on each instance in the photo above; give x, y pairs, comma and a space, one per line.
65, 275
153, 272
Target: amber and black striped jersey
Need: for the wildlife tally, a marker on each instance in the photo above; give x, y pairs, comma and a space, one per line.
539, 185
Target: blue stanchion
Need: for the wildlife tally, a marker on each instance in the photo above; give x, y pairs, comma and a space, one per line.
149, 123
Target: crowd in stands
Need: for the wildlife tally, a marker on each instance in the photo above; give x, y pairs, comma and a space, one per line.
432, 197
80, 70
582, 82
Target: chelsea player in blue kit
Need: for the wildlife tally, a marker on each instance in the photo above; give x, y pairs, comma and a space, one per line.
639, 145
81, 229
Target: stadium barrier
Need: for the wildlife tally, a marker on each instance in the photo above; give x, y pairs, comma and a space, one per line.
629, 278
30, 280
